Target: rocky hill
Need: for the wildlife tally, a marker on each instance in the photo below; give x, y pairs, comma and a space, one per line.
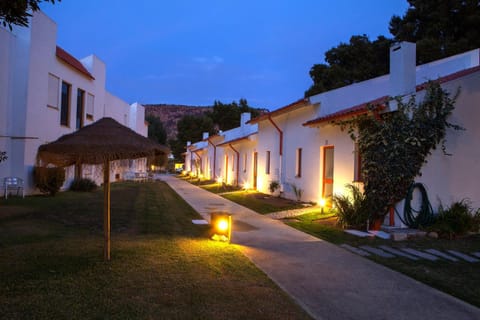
169, 114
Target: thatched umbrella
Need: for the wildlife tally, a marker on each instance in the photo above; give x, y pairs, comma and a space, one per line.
99, 143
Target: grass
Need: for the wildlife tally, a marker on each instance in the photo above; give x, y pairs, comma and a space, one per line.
460, 279
162, 267
260, 202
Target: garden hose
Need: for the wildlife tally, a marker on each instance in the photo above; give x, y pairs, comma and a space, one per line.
415, 218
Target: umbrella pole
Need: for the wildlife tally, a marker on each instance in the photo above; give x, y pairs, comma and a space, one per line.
106, 209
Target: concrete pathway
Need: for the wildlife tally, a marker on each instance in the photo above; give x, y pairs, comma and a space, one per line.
329, 282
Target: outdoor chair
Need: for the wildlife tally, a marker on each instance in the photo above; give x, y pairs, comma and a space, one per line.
13, 184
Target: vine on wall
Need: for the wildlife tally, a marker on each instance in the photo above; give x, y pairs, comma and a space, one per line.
395, 145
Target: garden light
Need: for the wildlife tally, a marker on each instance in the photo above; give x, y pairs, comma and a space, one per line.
246, 186
219, 180
221, 226
322, 203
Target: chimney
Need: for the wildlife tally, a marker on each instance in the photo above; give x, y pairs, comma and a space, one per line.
402, 68
205, 136
244, 118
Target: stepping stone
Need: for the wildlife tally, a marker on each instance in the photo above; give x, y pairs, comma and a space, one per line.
420, 254
358, 233
476, 254
398, 253
463, 256
378, 252
441, 254
355, 250
380, 234
200, 221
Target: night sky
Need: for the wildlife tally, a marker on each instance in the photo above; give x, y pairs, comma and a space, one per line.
194, 52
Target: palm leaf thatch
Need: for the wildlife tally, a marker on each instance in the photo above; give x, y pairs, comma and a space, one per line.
104, 140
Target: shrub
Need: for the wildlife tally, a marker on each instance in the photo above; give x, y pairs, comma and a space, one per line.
83, 184
274, 185
351, 210
455, 220
297, 191
49, 180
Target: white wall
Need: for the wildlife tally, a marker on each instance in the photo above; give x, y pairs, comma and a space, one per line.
456, 177
282, 167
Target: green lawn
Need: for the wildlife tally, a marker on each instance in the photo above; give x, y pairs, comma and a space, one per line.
460, 279
162, 267
261, 203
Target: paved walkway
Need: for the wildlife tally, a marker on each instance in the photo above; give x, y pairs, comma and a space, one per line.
329, 282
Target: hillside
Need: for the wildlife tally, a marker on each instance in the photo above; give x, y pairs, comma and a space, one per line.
169, 114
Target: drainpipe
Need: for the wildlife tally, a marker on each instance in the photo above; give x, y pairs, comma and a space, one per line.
238, 160
280, 152
214, 159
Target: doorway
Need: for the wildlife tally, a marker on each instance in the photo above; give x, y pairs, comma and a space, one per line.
328, 161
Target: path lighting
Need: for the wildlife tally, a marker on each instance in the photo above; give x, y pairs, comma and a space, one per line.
219, 180
322, 203
246, 186
221, 224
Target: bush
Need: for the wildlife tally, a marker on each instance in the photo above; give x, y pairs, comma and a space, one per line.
49, 180
274, 185
351, 211
455, 220
83, 184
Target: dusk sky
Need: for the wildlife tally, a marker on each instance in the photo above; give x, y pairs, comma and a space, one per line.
194, 52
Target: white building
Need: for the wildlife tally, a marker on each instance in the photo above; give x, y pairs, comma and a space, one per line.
298, 146
229, 156
45, 93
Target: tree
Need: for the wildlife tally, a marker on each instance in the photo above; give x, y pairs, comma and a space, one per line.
3, 156
395, 145
440, 28
190, 128
227, 116
156, 130
16, 12
358, 60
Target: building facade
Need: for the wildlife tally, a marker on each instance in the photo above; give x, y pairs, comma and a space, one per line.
45, 93
311, 159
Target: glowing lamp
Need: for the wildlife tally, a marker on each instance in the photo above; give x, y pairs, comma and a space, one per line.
221, 226
219, 180
246, 186
322, 203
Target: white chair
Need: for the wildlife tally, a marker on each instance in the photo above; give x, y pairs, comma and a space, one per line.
13, 183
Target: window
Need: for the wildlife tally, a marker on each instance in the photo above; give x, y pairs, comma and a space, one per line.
244, 162
89, 107
267, 163
357, 169
298, 163
80, 107
53, 83
65, 104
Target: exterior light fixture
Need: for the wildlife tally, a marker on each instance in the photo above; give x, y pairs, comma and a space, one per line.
246, 186
219, 180
221, 224
322, 203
